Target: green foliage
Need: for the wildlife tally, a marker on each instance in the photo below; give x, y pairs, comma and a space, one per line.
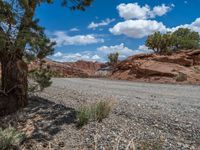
96, 112
158, 42
182, 38
40, 78
21, 36
10, 137
113, 58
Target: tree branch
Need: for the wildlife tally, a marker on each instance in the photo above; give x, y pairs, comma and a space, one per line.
25, 25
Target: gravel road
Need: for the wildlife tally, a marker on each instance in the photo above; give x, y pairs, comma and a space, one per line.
144, 116
151, 115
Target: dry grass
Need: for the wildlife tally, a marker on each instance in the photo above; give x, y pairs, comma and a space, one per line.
95, 112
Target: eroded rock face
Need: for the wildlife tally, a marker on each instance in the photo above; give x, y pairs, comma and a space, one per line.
160, 68
70, 69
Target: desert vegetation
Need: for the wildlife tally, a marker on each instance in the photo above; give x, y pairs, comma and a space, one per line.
113, 58
10, 138
95, 112
167, 43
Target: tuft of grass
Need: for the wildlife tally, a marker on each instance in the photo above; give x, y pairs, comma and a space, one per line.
95, 112
83, 115
181, 77
102, 110
10, 137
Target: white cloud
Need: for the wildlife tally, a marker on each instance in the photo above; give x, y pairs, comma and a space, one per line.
143, 28
137, 28
106, 22
74, 29
135, 11
121, 49
73, 57
160, 10
195, 26
100, 54
62, 39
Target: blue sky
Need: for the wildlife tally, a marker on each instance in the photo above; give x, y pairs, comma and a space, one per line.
113, 25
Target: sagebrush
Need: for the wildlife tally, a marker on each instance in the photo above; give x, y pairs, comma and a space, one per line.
10, 137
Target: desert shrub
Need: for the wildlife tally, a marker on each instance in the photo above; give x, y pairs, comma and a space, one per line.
159, 43
113, 58
95, 112
181, 77
10, 137
83, 115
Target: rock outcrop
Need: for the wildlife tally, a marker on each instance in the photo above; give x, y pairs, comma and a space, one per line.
160, 68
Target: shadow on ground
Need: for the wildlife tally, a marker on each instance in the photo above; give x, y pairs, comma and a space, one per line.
51, 117
41, 119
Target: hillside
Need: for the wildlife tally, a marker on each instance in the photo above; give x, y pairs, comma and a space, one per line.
70, 69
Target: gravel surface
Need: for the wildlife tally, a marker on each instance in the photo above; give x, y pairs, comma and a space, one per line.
149, 116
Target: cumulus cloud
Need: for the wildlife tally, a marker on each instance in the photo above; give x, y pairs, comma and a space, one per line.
160, 10
62, 39
138, 23
137, 28
121, 49
105, 22
100, 54
195, 26
73, 57
143, 28
135, 11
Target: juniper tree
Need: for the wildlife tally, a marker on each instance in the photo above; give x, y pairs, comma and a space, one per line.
180, 39
159, 43
113, 58
184, 38
21, 37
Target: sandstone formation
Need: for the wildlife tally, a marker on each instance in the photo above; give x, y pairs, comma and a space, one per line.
161, 68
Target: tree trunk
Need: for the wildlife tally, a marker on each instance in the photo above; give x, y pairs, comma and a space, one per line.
13, 95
